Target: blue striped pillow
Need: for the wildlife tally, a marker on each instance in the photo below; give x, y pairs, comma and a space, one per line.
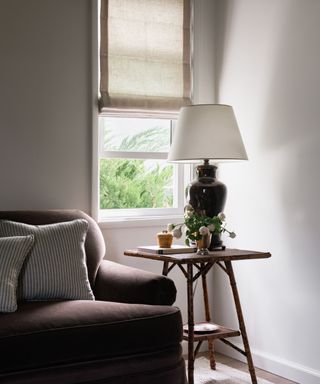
13, 251
56, 268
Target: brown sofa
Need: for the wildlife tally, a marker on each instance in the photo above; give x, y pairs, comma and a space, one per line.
129, 334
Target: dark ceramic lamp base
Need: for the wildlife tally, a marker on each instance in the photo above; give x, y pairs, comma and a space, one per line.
207, 196
216, 244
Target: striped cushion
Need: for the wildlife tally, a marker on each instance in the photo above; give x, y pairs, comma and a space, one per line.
56, 268
13, 251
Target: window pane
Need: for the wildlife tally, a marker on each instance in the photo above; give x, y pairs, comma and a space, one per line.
137, 135
135, 184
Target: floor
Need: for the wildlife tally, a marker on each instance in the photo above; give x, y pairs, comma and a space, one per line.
243, 367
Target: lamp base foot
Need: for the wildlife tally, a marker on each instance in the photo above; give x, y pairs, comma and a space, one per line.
218, 248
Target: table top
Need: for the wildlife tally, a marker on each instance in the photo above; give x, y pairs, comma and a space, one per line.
186, 258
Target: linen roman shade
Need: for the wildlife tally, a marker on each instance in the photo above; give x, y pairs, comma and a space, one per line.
145, 55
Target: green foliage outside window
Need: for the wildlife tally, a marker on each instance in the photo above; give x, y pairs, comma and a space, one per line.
130, 183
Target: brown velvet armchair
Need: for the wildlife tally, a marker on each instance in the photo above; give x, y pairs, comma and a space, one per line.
130, 334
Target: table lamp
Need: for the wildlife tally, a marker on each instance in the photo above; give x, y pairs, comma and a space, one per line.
207, 132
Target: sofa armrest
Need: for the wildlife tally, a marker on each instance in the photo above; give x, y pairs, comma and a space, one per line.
120, 283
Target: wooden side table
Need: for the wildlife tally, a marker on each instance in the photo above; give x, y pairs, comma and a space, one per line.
194, 266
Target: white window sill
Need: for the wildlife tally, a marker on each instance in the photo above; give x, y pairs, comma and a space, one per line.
139, 222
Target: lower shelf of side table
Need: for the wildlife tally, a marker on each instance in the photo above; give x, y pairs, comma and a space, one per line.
220, 333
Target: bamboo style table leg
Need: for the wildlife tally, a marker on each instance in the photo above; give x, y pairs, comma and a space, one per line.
208, 319
165, 268
190, 325
241, 321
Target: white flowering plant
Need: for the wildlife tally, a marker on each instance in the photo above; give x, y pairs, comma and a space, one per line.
197, 226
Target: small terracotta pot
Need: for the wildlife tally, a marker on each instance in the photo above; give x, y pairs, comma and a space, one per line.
164, 239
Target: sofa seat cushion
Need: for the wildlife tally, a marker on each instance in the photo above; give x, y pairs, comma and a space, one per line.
42, 334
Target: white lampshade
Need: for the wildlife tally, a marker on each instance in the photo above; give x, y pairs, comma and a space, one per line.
208, 131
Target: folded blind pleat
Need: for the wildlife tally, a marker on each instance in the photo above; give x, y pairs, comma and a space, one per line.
145, 54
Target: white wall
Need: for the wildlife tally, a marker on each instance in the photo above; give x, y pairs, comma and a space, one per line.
268, 60
45, 127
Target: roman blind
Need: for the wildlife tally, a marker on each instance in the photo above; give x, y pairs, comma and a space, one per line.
145, 55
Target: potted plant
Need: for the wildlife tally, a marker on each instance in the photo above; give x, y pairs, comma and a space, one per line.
199, 228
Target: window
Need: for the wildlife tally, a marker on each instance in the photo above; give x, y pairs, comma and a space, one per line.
135, 178
145, 78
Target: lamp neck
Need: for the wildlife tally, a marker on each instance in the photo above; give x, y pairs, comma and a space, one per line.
206, 170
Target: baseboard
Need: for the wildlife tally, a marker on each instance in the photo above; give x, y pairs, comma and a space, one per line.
274, 364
